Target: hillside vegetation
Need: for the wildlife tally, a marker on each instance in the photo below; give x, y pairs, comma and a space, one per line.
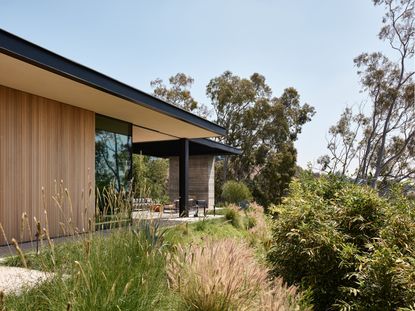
351, 248
209, 265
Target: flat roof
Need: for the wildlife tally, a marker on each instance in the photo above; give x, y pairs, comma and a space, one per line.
36, 70
171, 148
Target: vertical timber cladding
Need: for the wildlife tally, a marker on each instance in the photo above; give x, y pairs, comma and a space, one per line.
201, 178
43, 141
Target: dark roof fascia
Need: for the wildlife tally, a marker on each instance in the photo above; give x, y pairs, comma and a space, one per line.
26, 51
171, 148
217, 145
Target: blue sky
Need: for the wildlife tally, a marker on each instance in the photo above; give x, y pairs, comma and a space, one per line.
309, 45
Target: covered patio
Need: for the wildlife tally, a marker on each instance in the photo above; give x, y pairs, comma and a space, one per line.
191, 169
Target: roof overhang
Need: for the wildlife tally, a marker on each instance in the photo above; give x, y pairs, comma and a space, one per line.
33, 69
171, 148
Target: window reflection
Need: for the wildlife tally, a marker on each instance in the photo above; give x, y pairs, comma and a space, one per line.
112, 153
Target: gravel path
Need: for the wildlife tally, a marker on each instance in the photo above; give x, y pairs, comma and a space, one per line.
15, 280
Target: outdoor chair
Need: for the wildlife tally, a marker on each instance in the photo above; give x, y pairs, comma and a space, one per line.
201, 204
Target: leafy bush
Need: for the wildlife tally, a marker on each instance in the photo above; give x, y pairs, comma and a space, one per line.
353, 249
235, 192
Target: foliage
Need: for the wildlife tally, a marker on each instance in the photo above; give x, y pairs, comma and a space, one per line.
233, 216
342, 143
250, 224
150, 177
263, 126
87, 267
112, 207
219, 181
381, 142
271, 185
178, 94
257, 224
352, 248
235, 192
223, 275
88, 276
195, 233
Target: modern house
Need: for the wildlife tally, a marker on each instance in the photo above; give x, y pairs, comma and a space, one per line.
60, 120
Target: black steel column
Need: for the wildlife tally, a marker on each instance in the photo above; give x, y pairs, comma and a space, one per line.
184, 178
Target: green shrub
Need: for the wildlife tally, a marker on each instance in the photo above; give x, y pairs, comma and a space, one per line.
351, 248
235, 192
234, 217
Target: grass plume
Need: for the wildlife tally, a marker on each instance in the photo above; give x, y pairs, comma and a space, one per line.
224, 275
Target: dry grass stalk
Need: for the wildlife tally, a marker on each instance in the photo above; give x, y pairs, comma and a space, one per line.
29, 228
220, 275
84, 211
62, 226
112, 292
87, 247
50, 242
279, 298
261, 230
68, 197
22, 226
224, 275
39, 234
58, 203
19, 252
82, 273
5, 238
63, 201
46, 220
86, 201
44, 198
127, 287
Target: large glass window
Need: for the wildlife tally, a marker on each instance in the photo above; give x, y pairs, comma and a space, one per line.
113, 153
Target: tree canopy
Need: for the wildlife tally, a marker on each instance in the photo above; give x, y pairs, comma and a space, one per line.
382, 141
264, 126
178, 93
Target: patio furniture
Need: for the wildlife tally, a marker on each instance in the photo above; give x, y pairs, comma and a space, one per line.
142, 203
201, 204
156, 208
171, 208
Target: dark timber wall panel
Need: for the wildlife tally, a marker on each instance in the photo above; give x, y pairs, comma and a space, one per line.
44, 143
201, 178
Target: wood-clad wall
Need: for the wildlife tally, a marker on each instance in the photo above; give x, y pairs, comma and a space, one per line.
43, 144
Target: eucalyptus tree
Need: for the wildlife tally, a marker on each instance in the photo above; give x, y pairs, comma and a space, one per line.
264, 126
383, 140
177, 93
